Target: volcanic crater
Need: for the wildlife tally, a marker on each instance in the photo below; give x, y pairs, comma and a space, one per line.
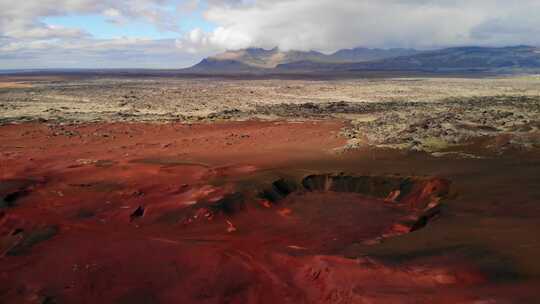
182, 214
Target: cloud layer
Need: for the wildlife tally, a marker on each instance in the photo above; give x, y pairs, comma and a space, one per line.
26, 40
328, 25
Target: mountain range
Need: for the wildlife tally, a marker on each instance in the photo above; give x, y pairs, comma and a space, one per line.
258, 60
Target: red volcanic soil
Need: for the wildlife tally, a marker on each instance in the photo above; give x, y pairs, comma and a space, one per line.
243, 212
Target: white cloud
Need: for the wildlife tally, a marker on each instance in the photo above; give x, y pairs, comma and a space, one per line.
93, 53
18, 17
197, 41
114, 16
328, 25
27, 41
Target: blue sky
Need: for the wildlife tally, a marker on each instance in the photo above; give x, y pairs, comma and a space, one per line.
100, 28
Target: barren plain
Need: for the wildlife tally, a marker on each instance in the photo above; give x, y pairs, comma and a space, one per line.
419, 113
169, 190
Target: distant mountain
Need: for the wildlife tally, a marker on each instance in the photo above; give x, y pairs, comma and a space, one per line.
362, 59
461, 58
365, 54
257, 58
213, 65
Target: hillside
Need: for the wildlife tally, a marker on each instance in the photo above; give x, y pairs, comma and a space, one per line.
461, 58
507, 59
258, 58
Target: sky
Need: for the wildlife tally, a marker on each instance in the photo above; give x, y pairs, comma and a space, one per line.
179, 33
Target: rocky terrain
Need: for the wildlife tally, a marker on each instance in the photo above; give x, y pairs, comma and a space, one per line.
428, 114
165, 190
258, 212
508, 122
